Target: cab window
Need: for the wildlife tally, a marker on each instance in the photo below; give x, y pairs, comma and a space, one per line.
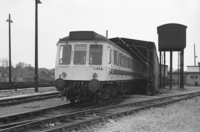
95, 55
80, 54
65, 54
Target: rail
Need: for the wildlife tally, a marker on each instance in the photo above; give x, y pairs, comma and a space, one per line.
27, 98
20, 85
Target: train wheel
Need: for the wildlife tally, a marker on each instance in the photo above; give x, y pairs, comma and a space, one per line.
98, 98
70, 96
72, 101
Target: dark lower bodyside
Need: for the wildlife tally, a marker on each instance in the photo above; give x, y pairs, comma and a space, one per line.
98, 90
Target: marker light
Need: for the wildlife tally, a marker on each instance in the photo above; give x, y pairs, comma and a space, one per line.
64, 74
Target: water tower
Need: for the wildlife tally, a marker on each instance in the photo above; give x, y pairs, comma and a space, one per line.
172, 37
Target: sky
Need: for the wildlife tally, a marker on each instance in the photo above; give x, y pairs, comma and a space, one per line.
135, 19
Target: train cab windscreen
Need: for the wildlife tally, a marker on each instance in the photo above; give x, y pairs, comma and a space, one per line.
95, 55
65, 54
80, 54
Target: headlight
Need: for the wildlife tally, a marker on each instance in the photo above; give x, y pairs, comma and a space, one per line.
64, 74
60, 84
95, 75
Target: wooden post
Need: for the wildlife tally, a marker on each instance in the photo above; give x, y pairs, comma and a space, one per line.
182, 70
171, 69
9, 34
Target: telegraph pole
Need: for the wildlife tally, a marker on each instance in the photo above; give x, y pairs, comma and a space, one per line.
36, 44
195, 55
107, 34
9, 34
178, 68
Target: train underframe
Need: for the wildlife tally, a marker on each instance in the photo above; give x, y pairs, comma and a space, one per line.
99, 91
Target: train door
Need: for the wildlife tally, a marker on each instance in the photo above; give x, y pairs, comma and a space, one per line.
110, 60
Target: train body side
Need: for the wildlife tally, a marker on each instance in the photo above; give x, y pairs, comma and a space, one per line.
112, 67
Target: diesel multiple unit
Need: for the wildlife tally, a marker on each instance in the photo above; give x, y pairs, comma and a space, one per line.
90, 66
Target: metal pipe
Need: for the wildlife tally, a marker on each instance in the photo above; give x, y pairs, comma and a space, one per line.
107, 34
9, 34
160, 70
194, 56
171, 69
36, 44
164, 70
178, 68
182, 69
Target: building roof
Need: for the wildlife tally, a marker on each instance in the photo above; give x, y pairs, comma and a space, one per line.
138, 48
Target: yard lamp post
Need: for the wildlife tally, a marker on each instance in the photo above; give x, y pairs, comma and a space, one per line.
9, 34
36, 44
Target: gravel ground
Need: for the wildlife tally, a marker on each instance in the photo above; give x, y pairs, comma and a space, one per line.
183, 116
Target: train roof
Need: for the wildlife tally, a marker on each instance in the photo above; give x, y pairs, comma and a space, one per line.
140, 49
84, 35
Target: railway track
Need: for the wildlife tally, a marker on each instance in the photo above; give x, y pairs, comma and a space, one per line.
21, 85
30, 116
27, 98
76, 120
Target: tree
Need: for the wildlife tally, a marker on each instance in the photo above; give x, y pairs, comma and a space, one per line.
4, 62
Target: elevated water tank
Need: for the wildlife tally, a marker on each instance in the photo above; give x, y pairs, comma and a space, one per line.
171, 37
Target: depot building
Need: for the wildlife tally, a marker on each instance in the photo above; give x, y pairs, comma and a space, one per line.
191, 76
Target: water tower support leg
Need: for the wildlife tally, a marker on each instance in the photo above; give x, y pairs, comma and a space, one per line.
170, 70
182, 69
160, 70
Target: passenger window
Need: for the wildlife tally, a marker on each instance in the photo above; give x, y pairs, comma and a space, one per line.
110, 58
126, 62
118, 59
129, 63
120, 55
132, 64
65, 54
95, 57
123, 60
115, 57
80, 54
